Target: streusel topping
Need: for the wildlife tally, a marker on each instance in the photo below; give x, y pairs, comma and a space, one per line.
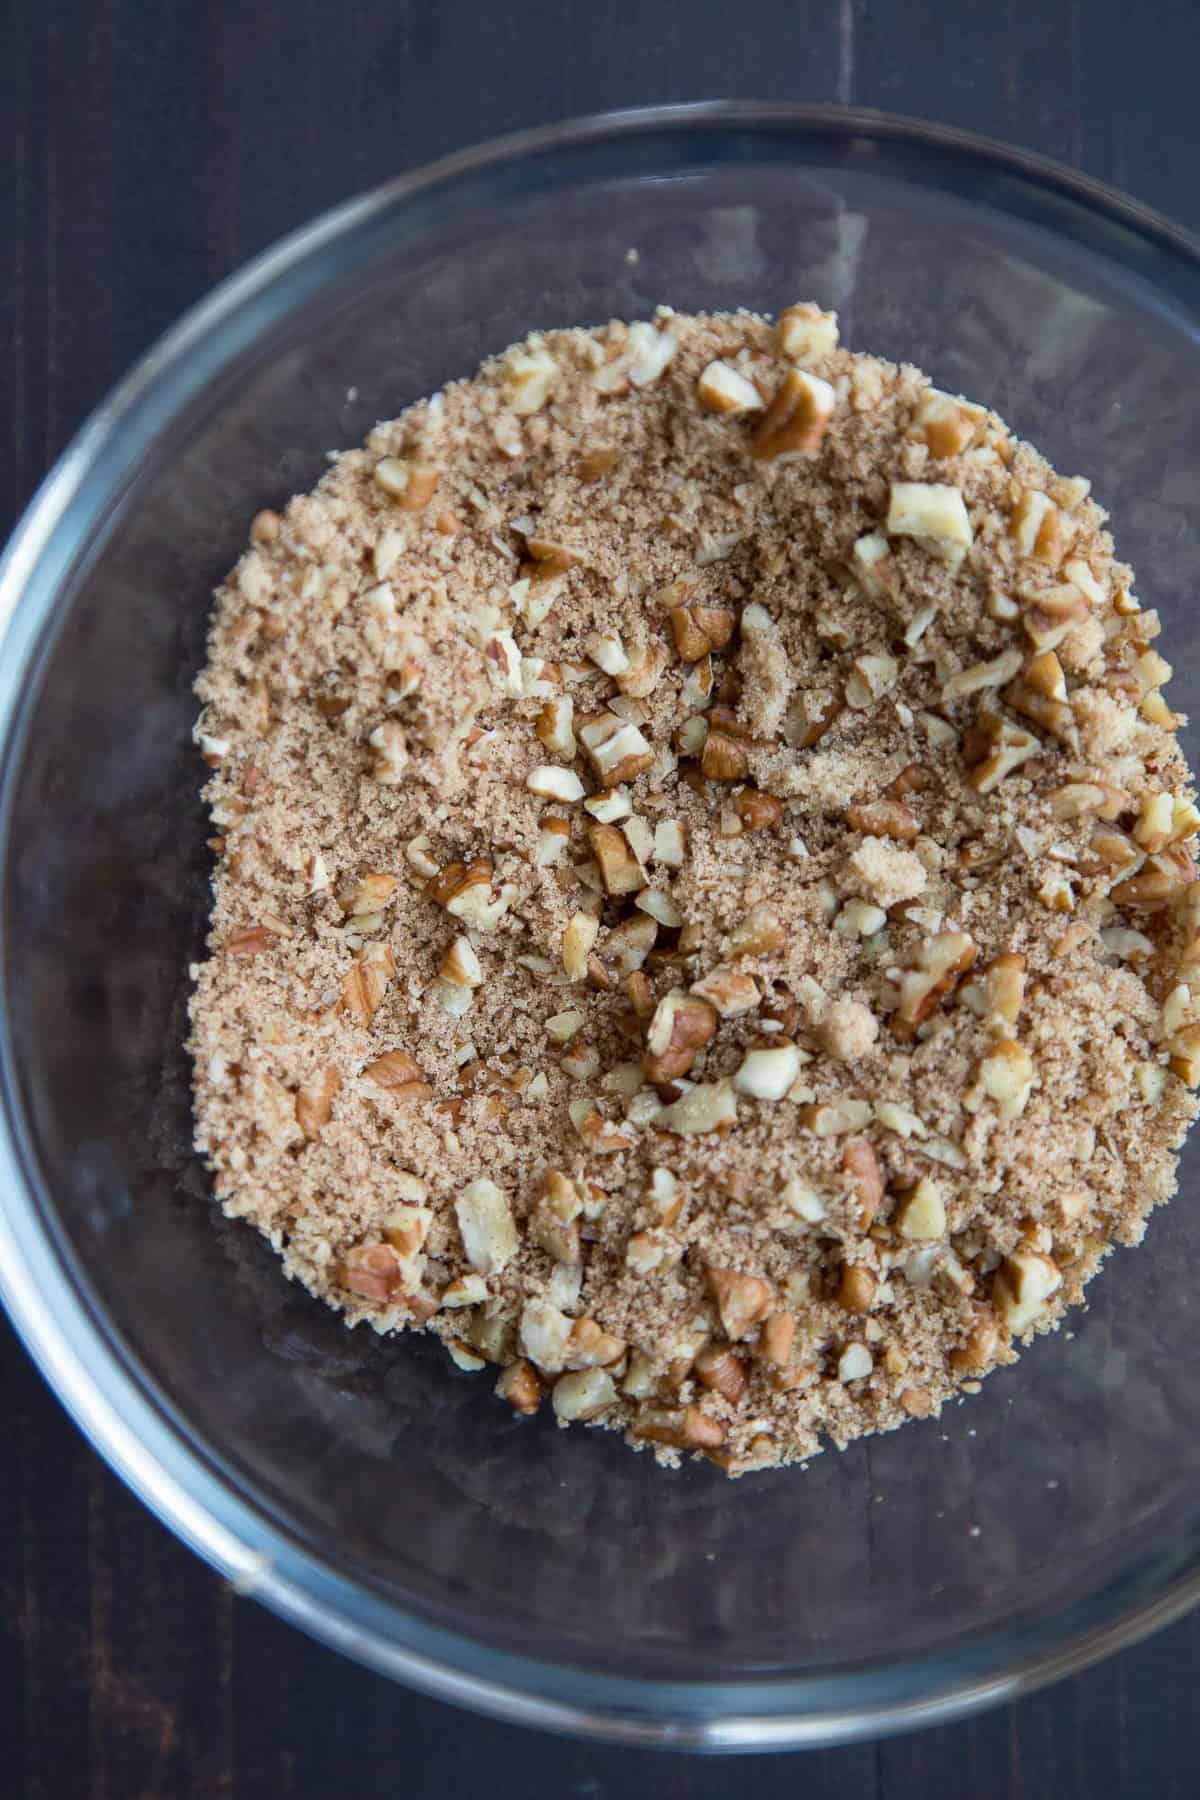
703, 916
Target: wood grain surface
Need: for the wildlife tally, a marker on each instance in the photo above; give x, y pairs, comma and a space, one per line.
151, 149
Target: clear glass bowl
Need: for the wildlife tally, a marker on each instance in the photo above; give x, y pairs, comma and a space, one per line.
365, 1489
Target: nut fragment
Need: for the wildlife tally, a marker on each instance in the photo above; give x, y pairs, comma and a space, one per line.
1155, 826
797, 418
723, 758
993, 674
400, 1075
543, 1334
872, 565
648, 351
1044, 674
1004, 990
553, 842
579, 938
708, 1106
620, 869
719, 1370
767, 1074
729, 991
680, 1028
1025, 1281
367, 895
698, 630
630, 942
941, 961
367, 981
937, 730
1162, 880
314, 1102
616, 748
900, 1119
743, 1301
684, 1428
724, 389
864, 1177
550, 556
1049, 615
406, 1229
1155, 711
640, 836
601, 460
835, 1118
810, 716
529, 380
465, 1290
610, 805
883, 819
607, 651
590, 1347
597, 1132
978, 1352
519, 1385
416, 855
806, 333
461, 966
373, 1272
947, 425
465, 890
932, 513
389, 747
1184, 1058
1081, 799
554, 1225
411, 483
870, 678
561, 1027
1052, 714
664, 1197
922, 1214
777, 1339
858, 918
251, 942
757, 811
644, 669
551, 782
998, 748
691, 735
758, 934
855, 1363
584, 1395
1036, 526
856, 1288
486, 1223
648, 1252
670, 843
555, 726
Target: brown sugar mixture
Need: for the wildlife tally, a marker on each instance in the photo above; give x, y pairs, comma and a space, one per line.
704, 921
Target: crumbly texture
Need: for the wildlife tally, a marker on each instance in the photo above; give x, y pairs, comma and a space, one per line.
703, 916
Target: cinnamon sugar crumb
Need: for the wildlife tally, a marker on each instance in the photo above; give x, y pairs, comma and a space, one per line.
769, 1098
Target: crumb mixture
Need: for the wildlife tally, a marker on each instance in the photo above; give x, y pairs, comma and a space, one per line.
704, 921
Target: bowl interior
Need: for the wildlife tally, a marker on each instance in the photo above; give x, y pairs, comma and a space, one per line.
1066, 1493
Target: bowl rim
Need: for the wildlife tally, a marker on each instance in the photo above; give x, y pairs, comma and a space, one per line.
116, 1406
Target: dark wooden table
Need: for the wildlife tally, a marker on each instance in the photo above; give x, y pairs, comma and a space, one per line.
152, 149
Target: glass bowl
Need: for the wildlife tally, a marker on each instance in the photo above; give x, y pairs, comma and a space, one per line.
363, 1488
